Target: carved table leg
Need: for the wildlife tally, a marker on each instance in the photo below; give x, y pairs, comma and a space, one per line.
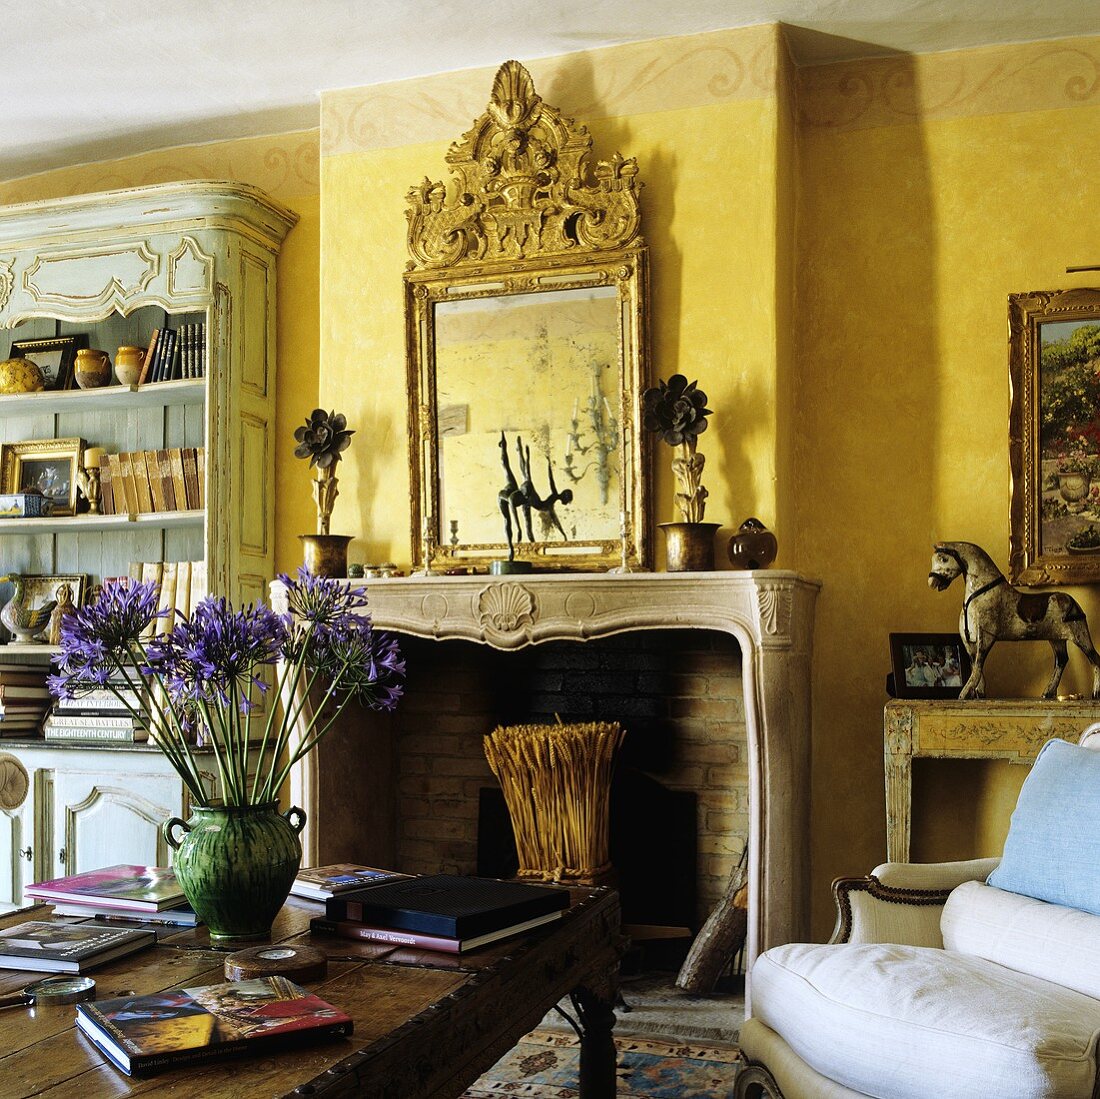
597, 1018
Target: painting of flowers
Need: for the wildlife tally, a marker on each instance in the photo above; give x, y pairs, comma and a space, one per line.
1055, 436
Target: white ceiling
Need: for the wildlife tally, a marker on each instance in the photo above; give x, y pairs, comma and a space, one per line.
96, 79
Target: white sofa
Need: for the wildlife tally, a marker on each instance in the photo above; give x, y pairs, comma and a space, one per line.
936, 984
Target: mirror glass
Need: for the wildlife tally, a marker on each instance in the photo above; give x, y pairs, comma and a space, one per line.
543, 369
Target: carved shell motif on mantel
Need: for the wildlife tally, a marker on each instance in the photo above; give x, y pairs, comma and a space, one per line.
505, 609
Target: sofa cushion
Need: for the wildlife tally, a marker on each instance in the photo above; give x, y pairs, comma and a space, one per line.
1052, 851
1046, 940
907, 1022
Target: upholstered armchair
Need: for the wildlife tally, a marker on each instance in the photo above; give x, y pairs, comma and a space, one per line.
968, 980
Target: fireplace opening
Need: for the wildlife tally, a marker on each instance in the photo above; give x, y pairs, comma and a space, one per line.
680, 805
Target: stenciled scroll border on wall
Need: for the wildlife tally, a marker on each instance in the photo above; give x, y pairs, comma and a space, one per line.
525, 212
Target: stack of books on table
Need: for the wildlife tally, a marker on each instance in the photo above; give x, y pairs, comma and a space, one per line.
443, 912
104, 715
318, 883
24, 699
123, 893
50, 947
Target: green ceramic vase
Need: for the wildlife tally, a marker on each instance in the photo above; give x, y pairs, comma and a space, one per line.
235, 865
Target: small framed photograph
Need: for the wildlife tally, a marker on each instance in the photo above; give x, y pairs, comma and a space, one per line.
928, 665
54, 357
38, 590
48, 466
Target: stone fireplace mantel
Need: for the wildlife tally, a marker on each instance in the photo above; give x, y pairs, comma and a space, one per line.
770, 613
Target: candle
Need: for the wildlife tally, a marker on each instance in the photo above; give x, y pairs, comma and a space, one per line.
94, 456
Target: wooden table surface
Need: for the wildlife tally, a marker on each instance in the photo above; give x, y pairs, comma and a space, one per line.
426, 1024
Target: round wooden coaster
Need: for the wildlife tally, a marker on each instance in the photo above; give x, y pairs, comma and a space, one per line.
298, 963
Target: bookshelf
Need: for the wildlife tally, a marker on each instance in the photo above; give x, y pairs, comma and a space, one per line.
108, 270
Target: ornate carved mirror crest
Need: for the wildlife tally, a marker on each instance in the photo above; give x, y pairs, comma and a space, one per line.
525, 305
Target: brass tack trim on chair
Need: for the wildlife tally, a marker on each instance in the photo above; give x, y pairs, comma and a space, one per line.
844, 887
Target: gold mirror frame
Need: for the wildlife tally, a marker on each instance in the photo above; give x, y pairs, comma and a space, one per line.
523, 218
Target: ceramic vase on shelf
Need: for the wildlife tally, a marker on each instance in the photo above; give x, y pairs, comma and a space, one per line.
92, 369
235, 865
128, 364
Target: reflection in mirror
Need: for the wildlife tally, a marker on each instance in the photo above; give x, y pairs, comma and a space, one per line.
544, 369
525, 308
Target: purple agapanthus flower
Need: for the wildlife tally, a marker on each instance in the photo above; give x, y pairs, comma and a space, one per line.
218, 653
358, 660
100, 637
212, 663
318, 604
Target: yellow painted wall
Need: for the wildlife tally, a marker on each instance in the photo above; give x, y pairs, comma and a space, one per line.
929, 190
700, 116
286, 167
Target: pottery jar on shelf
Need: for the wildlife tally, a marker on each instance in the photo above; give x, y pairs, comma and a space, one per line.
93, 368
128, 364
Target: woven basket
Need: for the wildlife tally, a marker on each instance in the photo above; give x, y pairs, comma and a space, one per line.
557, 785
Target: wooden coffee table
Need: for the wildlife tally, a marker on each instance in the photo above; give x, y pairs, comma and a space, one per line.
426, 1024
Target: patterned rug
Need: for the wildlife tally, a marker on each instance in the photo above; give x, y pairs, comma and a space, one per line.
544, 1066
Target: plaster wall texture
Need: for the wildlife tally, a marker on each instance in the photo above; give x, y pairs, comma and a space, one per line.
918, 216
700, 116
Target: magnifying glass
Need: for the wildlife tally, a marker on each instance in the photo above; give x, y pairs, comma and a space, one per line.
51, 991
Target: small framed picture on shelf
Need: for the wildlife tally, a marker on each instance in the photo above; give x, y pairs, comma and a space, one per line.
928, 665
54, 357
48, 466
39, 590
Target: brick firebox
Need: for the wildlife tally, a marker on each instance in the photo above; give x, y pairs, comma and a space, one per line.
678, 694
352, 791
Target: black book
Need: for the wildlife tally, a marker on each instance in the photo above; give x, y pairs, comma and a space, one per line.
448, 905
165, 353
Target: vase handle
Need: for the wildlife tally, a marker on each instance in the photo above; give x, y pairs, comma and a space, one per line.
296, 818
166, 831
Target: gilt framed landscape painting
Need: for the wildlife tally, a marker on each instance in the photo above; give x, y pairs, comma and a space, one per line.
1054, 436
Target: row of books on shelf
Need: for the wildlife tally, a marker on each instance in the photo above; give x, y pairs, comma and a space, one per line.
174, 354
142, 482
143, 1034
24, 699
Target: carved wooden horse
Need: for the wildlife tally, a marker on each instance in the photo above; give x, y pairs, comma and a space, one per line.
993, 610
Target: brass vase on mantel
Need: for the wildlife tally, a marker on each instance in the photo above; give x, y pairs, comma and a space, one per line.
325, 554
689, 547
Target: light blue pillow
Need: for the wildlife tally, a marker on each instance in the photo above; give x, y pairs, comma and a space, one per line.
1052, 851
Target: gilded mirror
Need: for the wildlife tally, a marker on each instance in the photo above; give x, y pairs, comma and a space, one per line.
525, 305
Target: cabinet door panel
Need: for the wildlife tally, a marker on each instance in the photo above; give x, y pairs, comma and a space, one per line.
100, 819
15, 842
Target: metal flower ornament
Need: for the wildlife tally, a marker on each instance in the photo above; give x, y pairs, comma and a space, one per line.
322, 439
202, 680
676, 411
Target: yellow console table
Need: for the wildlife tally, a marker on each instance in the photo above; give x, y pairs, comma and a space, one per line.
1012, 729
